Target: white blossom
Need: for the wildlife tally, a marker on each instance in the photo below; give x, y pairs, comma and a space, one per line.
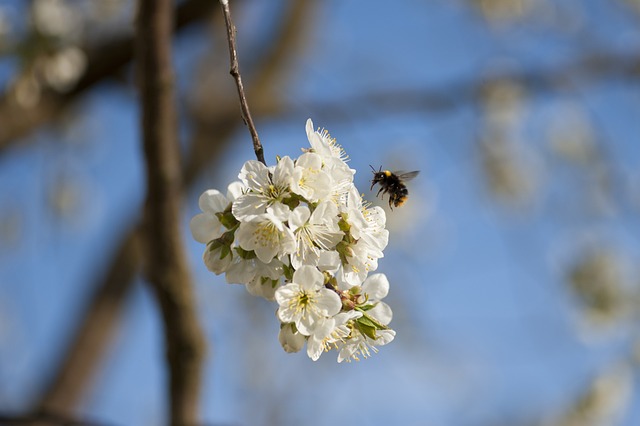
299, 233
266, 234
323, 144
328, 334
360, 345
314, 232
366, 226
309, 180
305, 301
206, 226
265, 187
244, 270
263, 287
217, 258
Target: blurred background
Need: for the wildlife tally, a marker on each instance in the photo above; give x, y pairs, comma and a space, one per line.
514, 265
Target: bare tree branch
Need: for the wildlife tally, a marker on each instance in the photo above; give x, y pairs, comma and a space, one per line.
91, 339
565, 78
166, 266
235, 72
44, 419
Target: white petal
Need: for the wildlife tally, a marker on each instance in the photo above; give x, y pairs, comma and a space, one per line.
328, 302
376, 286
384, 337
286, 293
287, 313
212, 201
309, 128
234, 190
254, 175
329, 261
309, 160
272, 270
290, 341
325, 212
298, 217
283, 173
248, 205
245, 235
382, 312
266, 252
308, 277
214, 262
205, 228
279, 211
240, 272
315, 347
306, 324
265, 290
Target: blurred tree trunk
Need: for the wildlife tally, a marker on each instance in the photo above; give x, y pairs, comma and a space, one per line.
165, 261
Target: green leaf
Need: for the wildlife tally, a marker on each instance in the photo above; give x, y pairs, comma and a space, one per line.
365, 308
366, 320
371, 321
366, 329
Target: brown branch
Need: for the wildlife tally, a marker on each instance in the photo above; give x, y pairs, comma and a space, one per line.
166, 265
104, 60
44, 419
565, 78
235, 72
67, 387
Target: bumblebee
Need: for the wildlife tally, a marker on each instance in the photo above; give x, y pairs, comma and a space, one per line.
392, 183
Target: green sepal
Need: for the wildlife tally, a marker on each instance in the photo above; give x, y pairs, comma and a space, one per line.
245, 254
265, 280
369, 320
355, 290
287, 271
294, 200
225, 251
229, 221
344, 250
343, 224
365, 328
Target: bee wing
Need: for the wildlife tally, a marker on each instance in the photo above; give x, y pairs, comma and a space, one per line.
406, 176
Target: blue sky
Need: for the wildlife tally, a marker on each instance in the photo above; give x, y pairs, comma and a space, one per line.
486, 328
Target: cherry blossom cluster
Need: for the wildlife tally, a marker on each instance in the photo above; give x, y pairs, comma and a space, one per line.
299, 233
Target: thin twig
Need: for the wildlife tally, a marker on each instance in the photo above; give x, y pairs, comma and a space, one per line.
166, 264
235, 72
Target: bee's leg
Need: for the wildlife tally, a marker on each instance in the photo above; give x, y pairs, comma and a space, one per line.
379, 191
391, 198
